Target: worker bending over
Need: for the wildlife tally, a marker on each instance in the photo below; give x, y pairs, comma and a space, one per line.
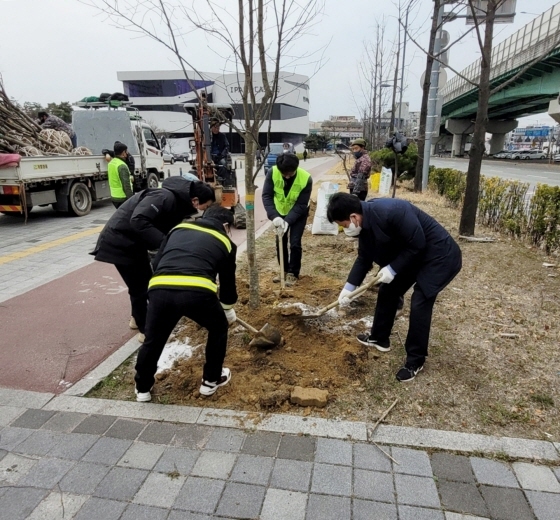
139, 226
411, 248
286, 193
184, 284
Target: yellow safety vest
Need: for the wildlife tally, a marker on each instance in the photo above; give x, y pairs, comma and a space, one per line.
115, 184
284, 203
180, 280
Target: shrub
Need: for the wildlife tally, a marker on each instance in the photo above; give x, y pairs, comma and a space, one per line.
386, 157
449, 183
544, 217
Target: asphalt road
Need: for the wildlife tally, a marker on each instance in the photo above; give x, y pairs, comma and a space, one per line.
525, 171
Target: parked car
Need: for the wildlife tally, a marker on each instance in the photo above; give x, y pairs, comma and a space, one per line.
182, 157
501, 155
532, 154
557, 158
168, 157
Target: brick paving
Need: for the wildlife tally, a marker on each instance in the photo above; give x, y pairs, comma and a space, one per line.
74, 465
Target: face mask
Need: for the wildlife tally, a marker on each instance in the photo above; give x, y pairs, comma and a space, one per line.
352, 230
357, 155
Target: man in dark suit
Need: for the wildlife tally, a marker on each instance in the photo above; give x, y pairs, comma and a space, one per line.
411, 248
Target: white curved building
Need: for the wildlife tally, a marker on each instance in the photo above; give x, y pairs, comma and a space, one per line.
158, 95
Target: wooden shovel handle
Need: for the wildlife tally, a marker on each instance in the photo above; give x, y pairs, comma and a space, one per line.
247, 326
357, 292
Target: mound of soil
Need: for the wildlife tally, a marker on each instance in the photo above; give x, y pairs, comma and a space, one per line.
493, 364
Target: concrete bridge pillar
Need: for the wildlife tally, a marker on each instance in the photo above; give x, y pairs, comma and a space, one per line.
459, 128
499, 129
457, 146
497, 143
554, 109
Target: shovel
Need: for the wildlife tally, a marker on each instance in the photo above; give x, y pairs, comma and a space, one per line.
357, 292
267, 337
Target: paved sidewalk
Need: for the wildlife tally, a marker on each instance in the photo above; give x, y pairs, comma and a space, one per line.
61, 465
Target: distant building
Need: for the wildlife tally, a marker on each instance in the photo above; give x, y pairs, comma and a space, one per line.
159, 96
343, 129
413, 124
529, 137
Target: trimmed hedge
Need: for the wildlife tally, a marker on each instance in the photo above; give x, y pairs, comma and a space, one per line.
505, 205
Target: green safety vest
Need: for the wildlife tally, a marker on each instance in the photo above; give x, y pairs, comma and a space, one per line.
283, 203
115, 184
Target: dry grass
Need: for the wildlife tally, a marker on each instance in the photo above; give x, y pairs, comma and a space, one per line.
474, 380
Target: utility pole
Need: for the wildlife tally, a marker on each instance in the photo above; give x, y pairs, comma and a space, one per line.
403, 60
425, 94
432, 100
395, 81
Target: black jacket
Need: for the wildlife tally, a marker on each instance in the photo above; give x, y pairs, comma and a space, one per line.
397, 233
301, 207
142, 222
192, 252
219, 146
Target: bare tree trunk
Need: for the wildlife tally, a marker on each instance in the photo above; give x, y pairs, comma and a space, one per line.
425, 95
470, 204
254, 298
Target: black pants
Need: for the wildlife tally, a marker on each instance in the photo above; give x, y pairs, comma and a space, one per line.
137, 277
292, 261
421, 307
362, 195
167, 306
118, 202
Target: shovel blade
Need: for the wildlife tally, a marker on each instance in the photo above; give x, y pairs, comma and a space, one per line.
271, 334
261, 342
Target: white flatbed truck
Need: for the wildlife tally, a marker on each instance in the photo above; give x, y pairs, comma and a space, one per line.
72, 183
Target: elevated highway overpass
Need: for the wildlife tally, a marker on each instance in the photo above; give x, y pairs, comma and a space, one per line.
534, 92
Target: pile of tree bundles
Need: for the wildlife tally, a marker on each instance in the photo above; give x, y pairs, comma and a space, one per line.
22, 135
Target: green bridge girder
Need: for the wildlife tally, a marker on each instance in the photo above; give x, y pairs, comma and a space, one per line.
529, 94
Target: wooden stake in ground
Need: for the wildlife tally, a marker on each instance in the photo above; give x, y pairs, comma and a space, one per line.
377, 424
385, 413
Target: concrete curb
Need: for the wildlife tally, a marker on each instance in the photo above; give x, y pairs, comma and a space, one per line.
353, 430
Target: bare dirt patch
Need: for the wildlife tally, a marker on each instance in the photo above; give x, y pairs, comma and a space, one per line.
475, 380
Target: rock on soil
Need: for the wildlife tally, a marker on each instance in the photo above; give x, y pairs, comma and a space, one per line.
309, 397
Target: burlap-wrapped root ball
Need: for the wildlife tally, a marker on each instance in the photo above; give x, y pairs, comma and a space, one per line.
57, 138
81, 150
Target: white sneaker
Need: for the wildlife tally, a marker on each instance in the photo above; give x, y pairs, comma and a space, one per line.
209, 388
132, 323
143, 397
141, 337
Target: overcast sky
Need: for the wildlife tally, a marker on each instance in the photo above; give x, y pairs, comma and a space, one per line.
62, 50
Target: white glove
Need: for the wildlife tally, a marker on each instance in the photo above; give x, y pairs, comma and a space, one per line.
343, 299
281, 226
385, 275
278, 222
230, 315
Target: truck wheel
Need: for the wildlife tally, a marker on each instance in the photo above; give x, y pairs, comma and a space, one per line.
79, 199
152, 180
172, 161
